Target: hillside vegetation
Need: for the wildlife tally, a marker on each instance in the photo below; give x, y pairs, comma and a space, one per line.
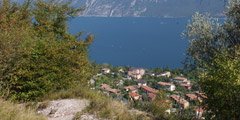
9, 111
38, 55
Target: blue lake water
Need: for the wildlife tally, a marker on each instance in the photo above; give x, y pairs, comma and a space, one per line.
137, 42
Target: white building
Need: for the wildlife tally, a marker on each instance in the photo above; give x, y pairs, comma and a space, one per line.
165, 74
106, 70
136, 73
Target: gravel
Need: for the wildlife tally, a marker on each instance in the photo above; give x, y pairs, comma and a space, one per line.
66, 109
89, 117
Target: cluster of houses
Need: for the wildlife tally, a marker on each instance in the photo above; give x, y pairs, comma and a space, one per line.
107, 88
183, 101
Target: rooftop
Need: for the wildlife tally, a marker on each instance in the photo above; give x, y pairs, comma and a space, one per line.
179, 99
152, 96
192, 96
149, 89
203, 95
180, 78
134, 87
133, 94
165, 83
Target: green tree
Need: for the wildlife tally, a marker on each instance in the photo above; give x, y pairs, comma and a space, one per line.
221, 83
38, 55
213, 54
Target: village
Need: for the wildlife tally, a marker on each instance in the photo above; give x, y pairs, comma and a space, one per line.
134, 85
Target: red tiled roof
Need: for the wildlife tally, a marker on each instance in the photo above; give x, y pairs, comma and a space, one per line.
179, 99
133, 94
149, 89
180, 78
105, 86
200, 110
116, 91
192, 96
109, 89
165, 84
152, 96
203, 95
175, 97
131, 88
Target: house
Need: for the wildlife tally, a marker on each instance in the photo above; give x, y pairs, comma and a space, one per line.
121, 70
187, 86
131, 88
199, 112
149, 89
99, 74
150, 73
141, 83
134, 96
192, 97
171, 110
187, 82
181, 101
151, 96
120, 83
167, 86
91, 82
106, 70
136, 73
165, 74
179, 79
107, 88
201, 95
114, 91
168, 111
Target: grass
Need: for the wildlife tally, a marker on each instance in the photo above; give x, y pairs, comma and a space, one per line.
101, 105
11, 111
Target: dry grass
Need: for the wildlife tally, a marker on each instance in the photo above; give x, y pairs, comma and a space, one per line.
10, 111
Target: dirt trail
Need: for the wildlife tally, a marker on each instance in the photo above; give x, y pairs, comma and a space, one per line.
66, 109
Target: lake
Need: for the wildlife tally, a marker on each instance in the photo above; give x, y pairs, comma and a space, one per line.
137, 42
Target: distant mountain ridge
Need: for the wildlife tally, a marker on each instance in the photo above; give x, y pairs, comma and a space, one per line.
151, 8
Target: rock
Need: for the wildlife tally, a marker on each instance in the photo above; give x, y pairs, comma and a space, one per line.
88, 117
64, 109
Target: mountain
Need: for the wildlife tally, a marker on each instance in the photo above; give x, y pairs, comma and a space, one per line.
148, 8
151, 8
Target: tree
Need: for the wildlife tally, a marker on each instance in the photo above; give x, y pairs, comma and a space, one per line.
221, 83
38, 55
159, 106
213, 54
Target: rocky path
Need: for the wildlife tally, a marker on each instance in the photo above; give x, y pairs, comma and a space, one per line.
66, 109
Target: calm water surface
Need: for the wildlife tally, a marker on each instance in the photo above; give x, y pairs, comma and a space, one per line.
139, 42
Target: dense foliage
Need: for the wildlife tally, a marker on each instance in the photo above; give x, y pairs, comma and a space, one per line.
37, 54
214, 56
